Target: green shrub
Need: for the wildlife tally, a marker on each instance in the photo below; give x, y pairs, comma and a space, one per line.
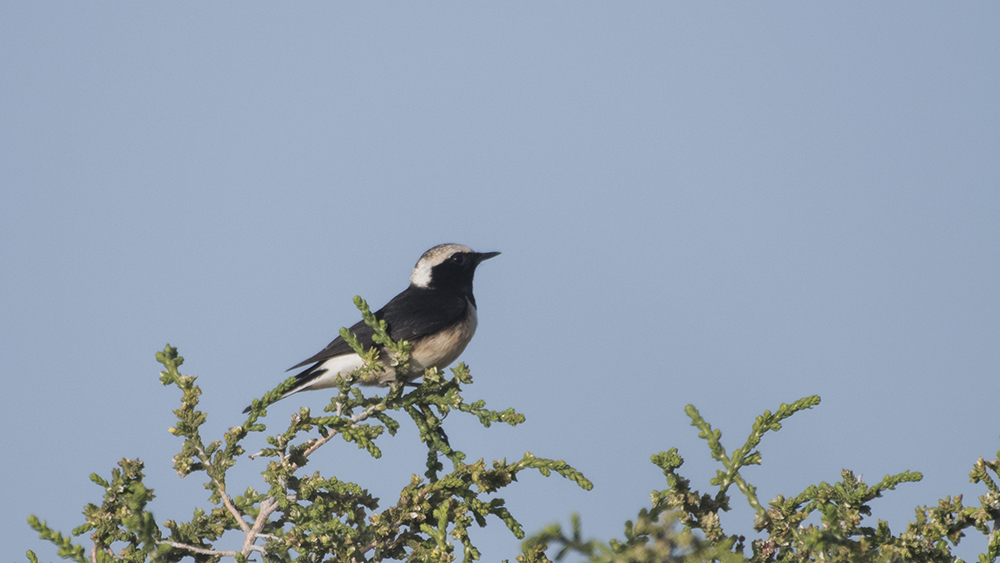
310, 518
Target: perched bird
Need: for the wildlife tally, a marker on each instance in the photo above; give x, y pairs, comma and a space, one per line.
436, 314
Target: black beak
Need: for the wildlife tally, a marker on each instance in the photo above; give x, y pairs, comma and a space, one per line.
486, 255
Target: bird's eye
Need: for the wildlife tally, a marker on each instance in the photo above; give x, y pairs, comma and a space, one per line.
458, 258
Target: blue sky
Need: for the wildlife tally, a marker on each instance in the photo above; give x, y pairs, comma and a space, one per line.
729, 205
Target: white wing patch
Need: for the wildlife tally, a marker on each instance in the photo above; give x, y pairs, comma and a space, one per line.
334, 366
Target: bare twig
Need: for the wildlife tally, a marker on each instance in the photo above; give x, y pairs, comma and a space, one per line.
222, 493
232, 508
354, 420
266, 508
316, 445
364, 550
201, 550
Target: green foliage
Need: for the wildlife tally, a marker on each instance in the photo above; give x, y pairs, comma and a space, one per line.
310, 517
683, 523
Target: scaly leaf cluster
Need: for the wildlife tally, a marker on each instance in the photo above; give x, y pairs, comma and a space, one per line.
683, 523
312, 517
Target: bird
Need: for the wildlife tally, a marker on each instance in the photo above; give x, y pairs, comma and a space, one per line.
436, 314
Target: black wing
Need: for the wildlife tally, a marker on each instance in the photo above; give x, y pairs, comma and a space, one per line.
411, 315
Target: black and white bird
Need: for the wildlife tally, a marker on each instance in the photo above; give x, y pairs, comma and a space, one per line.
436, 314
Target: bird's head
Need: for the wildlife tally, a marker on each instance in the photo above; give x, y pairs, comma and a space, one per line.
448, 266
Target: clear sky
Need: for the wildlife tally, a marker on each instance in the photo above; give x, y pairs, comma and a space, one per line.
728, 204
